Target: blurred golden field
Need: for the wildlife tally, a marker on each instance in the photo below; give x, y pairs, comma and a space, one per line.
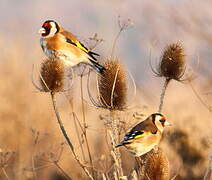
29, 133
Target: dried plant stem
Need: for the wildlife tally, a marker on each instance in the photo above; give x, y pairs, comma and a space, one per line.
33, 166
115, 140
33, 155
84, 123
78, 136
115, 41
208, 174
5, 173
76, 126
60, 122
163, 94
66, 136
199, 98
63, 172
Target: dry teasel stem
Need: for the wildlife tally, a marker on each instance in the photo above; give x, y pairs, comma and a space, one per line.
123, 24
112, 86
52, 81
112, 95
208, 174
171, 66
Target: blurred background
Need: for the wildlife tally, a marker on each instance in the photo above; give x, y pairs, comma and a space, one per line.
155, 25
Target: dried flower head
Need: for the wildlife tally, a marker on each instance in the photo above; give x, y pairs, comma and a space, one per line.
172, 63
52, 75
6, 157
157, 165
112, 85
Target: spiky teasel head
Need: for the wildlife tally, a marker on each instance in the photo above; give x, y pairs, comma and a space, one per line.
52, 75
155, 165
172, 63
112, 86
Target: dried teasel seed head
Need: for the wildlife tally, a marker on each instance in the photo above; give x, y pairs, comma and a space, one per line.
112, 85
156, 165
52, 75
172, 63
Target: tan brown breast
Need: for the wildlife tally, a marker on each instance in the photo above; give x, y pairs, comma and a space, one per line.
58, 43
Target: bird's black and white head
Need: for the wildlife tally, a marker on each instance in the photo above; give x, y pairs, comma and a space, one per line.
160, 121
49, 29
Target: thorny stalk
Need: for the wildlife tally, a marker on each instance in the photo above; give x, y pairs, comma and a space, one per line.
60, 122
63, 172
166, 83
33, 162
84, 123
199, 98
76, 127
36, 138
66, 136
208, 174
78, 137
114, 139
5, 173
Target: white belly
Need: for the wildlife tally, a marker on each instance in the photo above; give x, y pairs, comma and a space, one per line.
71, 59
139, 150
49, 53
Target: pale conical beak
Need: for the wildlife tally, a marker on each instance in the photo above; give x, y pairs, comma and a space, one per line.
167, 123
41, 31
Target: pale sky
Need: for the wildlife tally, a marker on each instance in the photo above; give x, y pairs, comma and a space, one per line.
156, 23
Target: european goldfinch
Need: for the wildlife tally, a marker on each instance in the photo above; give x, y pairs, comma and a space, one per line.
57, 42
145, 136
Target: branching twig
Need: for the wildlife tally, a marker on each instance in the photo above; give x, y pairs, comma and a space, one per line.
199, 98
66, 136
63, 172
5, 173
60, 122
84, 123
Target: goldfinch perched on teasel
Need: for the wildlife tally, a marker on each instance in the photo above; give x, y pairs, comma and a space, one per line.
145, 136
57, 42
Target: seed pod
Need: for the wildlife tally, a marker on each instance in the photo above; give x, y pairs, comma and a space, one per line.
52, 75
112, 85
157, 165
172, 64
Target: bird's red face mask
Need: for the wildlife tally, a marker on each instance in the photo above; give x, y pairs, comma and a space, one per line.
46, 29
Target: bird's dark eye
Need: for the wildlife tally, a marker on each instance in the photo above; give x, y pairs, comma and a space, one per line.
162, 120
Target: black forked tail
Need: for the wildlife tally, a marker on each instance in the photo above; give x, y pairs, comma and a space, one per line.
97, 66
122, 144
92, 55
